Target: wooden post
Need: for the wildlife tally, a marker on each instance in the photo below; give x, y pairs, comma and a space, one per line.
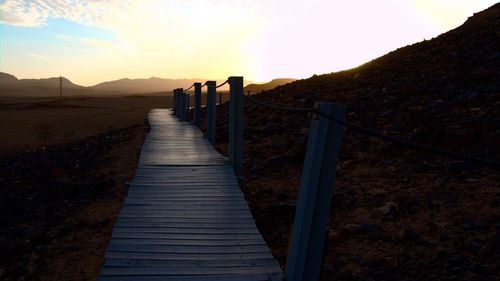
174, 102
197, 104
182, 105
236, 123
188, 106
220, 98
178, 103
305, 256
211, 107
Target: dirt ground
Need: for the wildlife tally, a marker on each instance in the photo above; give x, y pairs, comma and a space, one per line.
64, 165
30, 123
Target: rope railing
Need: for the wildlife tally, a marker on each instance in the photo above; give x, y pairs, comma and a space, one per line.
189, 88
319, 167
280, 107
218, 86
380, 135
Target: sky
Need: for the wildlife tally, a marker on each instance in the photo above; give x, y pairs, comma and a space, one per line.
91, 41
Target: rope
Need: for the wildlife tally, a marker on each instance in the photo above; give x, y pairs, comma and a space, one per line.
380, 135
411, 144
203, 85
222, 84
281, 107
189, 88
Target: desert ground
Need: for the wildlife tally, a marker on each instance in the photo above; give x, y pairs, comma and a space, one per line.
64, 168
36, 122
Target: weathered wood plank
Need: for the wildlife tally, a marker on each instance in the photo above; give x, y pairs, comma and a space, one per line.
113, 247
182, 225
178, 242
166, 271
185, 236
183, 220
188, 264
174, 230
233, 277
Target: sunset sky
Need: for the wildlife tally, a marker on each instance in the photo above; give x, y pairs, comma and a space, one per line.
91, 41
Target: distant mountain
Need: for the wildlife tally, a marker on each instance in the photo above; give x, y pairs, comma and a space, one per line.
11, 86
269, 85
153, 84
8, 80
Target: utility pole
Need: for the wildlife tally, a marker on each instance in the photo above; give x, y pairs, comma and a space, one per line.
60, 87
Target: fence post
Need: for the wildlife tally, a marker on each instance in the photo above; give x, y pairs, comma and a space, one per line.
211, 107
182, 105
305, 256
236, 123
188, 106
178, 105
197, 104
174, 102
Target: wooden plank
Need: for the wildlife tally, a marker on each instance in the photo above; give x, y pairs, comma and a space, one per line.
173, 271
189, 264
233, 277
183, 216
167, 207
185, 236
186, 257
249, 224
165, 192
180, 242
112, 247
173, 230
183, 220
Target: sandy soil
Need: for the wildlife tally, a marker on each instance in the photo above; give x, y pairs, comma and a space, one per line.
28, 123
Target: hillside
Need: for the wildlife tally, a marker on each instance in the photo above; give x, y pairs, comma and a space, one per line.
253, 88
6, 79
398, 214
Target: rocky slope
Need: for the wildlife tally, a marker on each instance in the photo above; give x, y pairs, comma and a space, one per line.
398, 214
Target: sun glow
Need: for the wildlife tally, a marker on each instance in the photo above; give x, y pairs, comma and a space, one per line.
91, 41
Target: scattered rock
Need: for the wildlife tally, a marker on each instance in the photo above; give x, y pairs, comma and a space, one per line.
389, 209
353, 228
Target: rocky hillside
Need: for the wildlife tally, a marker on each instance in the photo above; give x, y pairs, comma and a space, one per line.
398, 213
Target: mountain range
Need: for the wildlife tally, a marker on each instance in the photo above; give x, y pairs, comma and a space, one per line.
12, 86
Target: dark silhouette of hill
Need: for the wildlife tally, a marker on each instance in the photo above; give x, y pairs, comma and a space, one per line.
398, 213
11, 86
8, 80
268, 86
152, 84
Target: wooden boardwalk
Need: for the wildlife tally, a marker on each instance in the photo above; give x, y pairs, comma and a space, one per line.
185, 217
